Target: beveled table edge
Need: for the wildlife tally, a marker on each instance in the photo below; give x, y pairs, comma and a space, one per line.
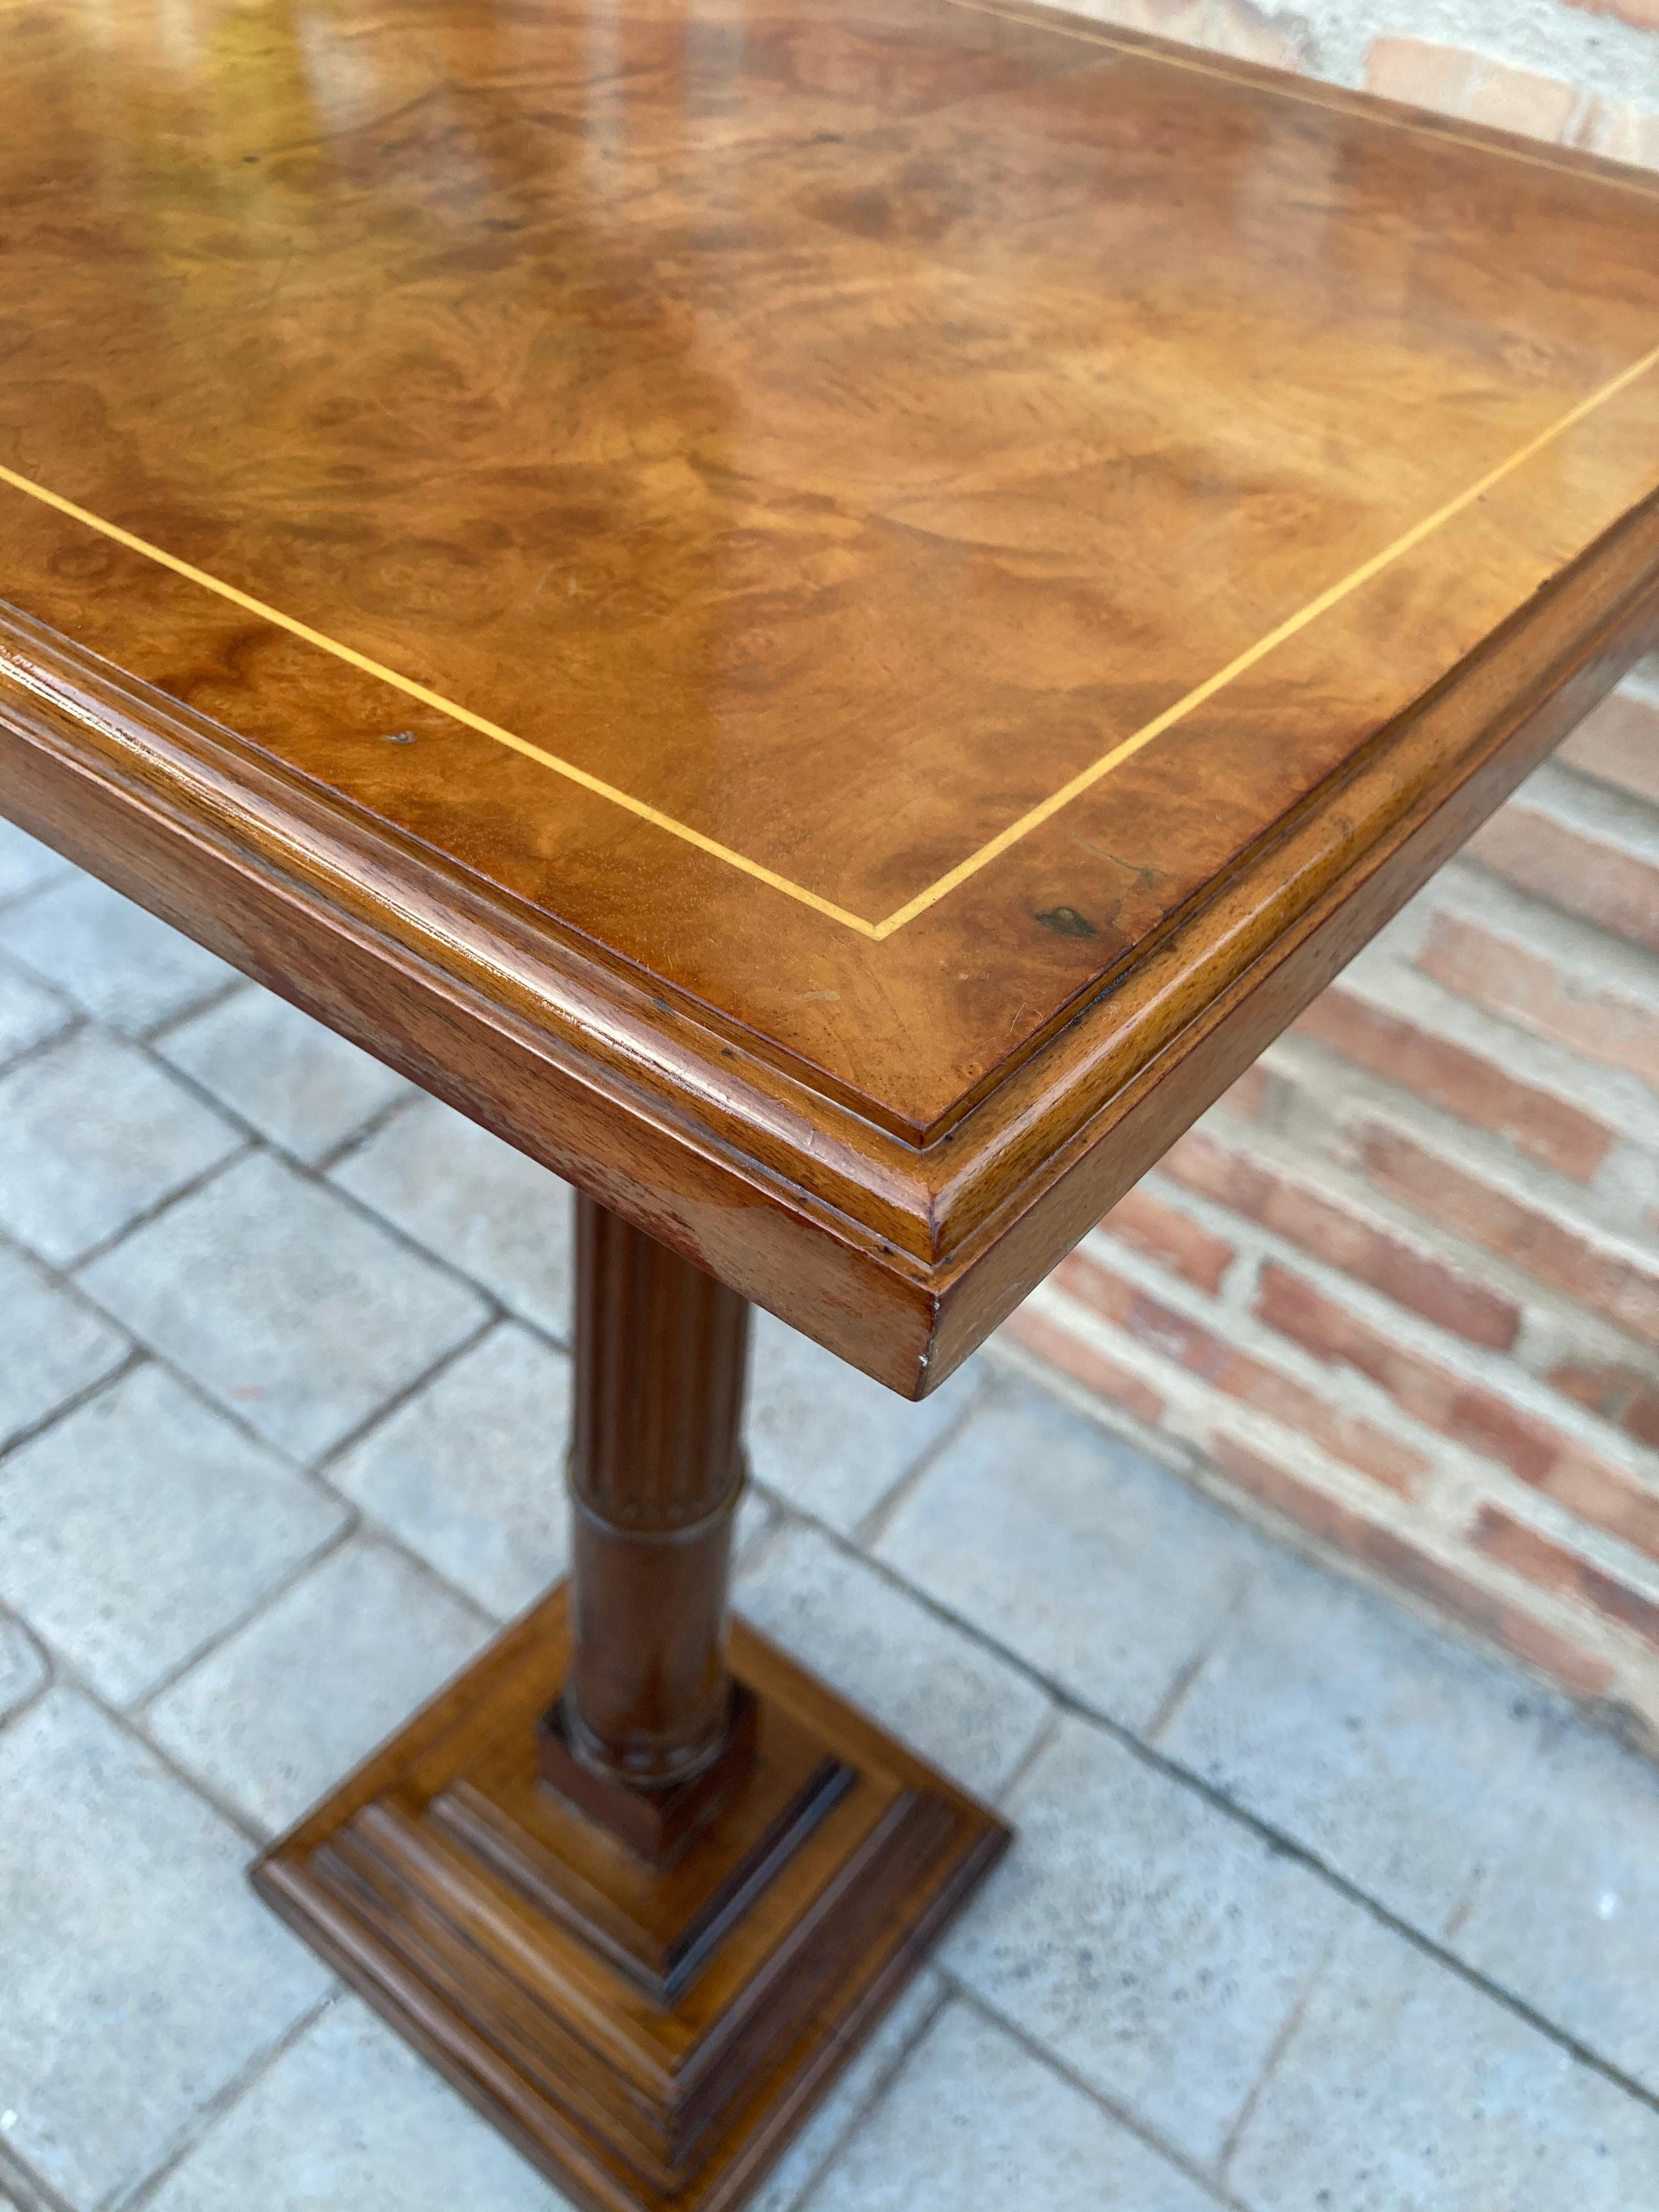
1312, 92
899, 1257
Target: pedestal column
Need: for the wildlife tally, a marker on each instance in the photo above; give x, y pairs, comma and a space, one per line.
651, 1734
635, 1881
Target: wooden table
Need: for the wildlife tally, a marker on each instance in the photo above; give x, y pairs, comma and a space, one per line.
826, 615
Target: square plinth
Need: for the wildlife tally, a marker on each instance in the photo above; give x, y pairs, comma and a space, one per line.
648, 2035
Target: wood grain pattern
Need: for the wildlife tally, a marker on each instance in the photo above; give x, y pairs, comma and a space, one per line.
1025, 544
650, 1734
649, 2040
635, 1881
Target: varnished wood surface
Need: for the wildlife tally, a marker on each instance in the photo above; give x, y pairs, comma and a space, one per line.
522, 1950
648, 1733
634, 1881
1011, 548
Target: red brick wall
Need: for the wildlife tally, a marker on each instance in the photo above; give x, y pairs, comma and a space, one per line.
1399, 1291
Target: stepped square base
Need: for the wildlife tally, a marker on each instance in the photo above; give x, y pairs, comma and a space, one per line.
649, 2031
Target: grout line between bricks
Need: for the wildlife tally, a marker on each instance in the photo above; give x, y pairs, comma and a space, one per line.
876, 2093
875, 1524
207, 2116
1277, 1839
314, 1170
359, 1528
69, 1678
317, 1173
143, 1217
1282, 2042
42, 1689
1176, 1696
1048, 1730
16, 900
43, 1047
138, 1711
492, 1297
20, 2180
364, 1135
143, 1350
219, 995
1126, 2117
132, 1721
131, 1360
358, 1523
358, 1139
331, 1456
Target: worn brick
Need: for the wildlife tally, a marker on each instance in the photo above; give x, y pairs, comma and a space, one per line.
1522, 100
1606, 1498
1277, 38
1261, 1094
1404, 2086
1147, 1225
968, 1709
141, 1975
1358, 1444
1620, 1283
1166, 19
1625, 1396
1454, 80
1644, 14
827, 1438
1361, 1246
1156, 1949
1623, 131
1513, 979
1617, 743
1528, 1552
1073, 1355
1422, 73
975, 2121
1071, 1550
349, 2118
1402, 1562
1611, 884
1477, 1417
1469, 1084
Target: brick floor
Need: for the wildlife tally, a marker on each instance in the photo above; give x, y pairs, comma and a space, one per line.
1311, 1908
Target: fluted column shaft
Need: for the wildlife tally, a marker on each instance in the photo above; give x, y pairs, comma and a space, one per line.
656, 1472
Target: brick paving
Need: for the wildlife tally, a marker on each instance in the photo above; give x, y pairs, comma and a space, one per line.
1313, 1911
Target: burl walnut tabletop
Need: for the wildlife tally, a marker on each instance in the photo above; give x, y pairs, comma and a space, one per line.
827, 613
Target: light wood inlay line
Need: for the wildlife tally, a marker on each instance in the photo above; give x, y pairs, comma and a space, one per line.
428, 698
995, 847
1375, 114
1258, 651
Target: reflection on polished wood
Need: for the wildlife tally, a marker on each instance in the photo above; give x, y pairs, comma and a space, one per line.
934, 569
827, 613
636, 1888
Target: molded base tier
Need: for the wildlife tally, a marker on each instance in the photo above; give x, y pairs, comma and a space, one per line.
648, 2035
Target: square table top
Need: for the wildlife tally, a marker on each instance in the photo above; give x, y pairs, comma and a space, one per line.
858, 572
